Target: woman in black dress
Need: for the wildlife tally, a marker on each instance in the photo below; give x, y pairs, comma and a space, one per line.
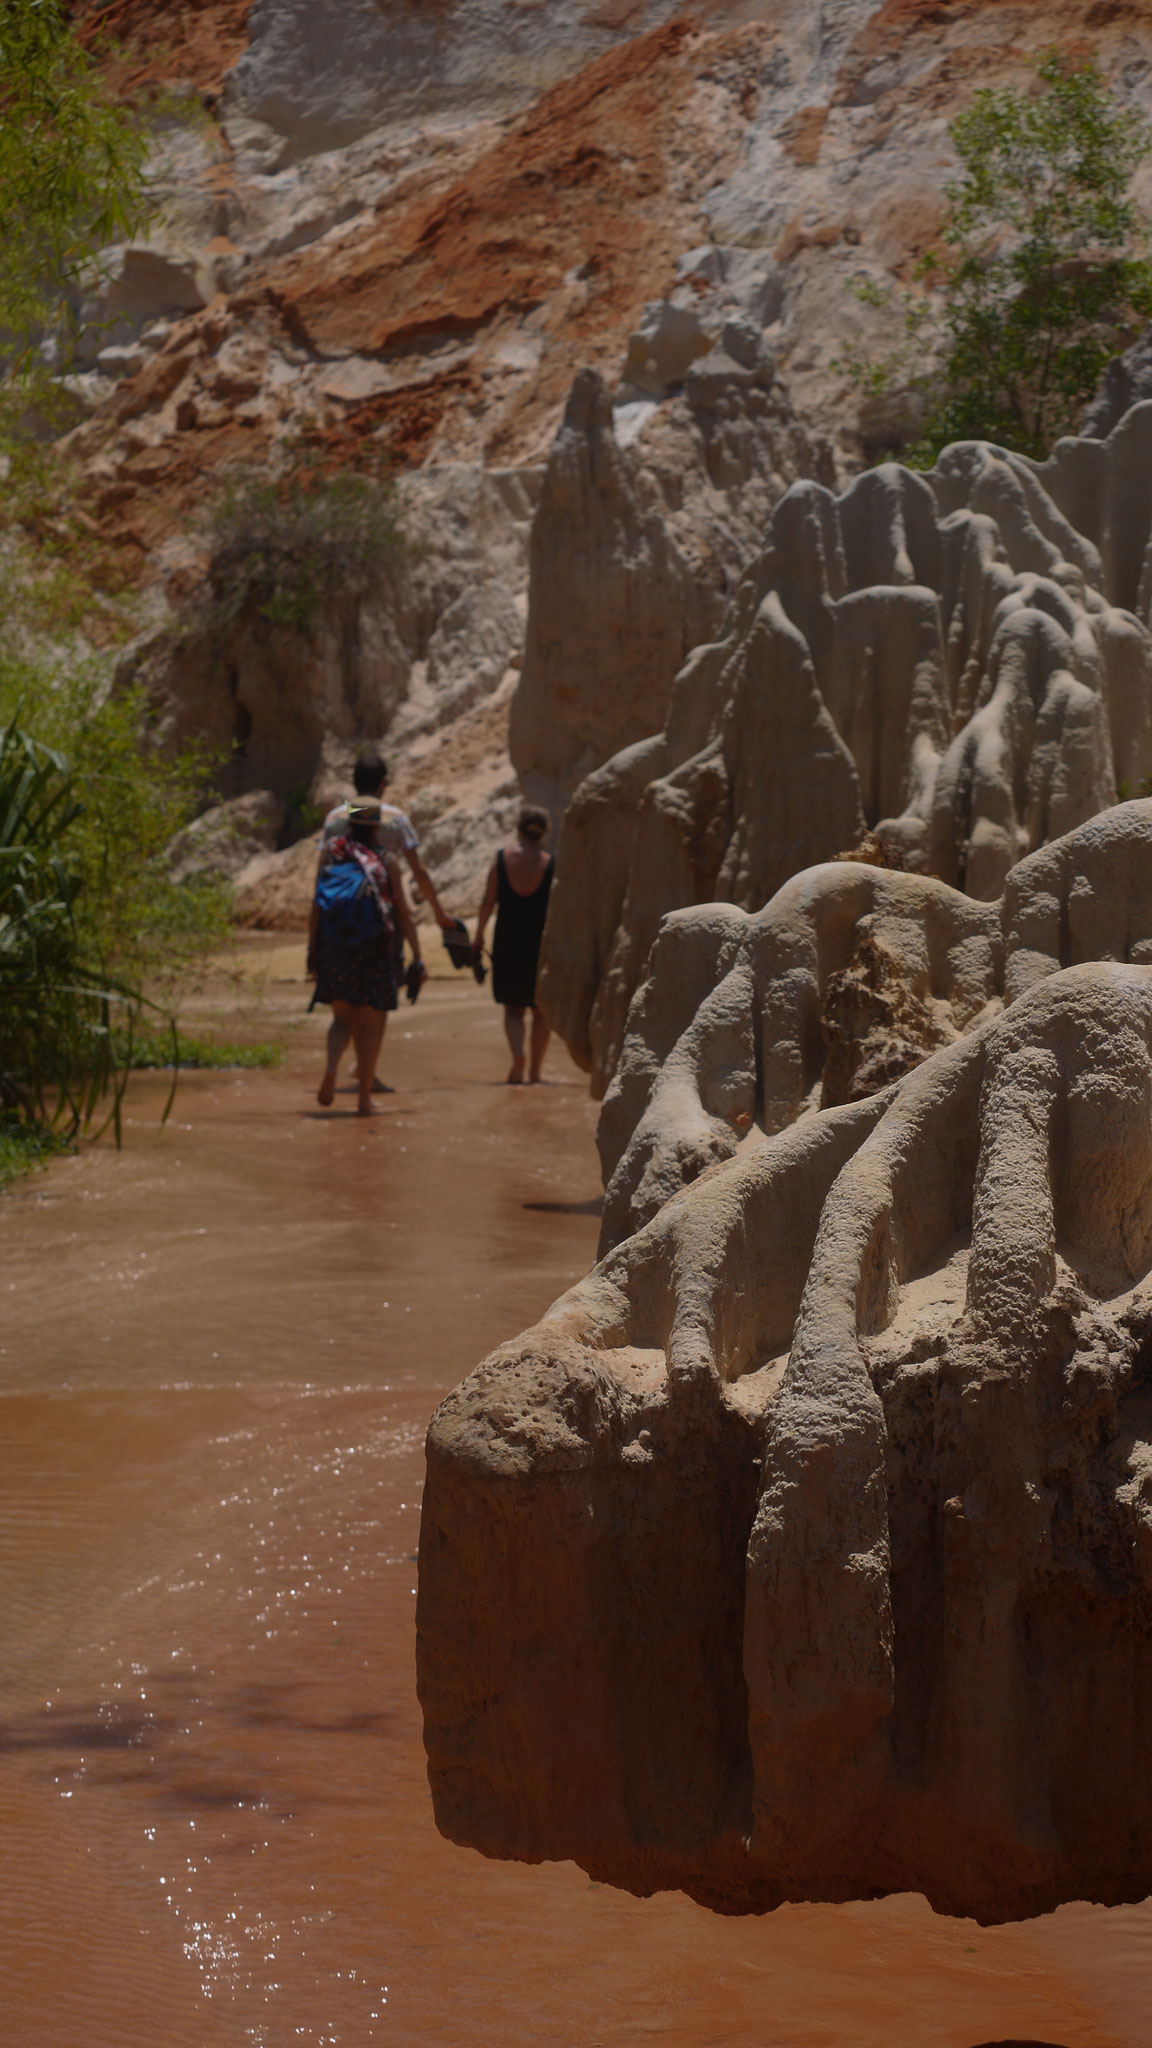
519, 884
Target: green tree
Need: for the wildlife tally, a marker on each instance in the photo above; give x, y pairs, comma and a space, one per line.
58, 1005
1046, 273
72, 178
92, 923
130, 799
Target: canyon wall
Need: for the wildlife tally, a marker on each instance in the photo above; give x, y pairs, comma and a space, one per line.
403, 235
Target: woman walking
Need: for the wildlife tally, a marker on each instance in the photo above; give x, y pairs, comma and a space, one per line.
352, 948
519, 884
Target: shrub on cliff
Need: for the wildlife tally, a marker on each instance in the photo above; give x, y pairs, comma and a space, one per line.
282, 543
1044, 275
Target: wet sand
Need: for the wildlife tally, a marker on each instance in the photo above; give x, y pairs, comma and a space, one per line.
218, 1352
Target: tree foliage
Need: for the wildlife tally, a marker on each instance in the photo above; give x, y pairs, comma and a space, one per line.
72, 176
1045, 273
92, 923
132, 799
282, 543
58, 1007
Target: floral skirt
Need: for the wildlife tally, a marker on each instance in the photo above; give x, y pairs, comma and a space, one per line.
367, 974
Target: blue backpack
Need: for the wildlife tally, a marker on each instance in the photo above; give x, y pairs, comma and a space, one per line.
352, 912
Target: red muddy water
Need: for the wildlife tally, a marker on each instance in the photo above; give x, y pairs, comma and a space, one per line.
218, 1353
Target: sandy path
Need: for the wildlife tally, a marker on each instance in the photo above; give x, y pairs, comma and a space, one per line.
218, 1351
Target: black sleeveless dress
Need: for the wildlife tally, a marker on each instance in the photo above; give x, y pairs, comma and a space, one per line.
516, 942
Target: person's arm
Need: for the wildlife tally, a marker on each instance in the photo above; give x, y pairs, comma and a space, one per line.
423, 883
407, 921
486, 908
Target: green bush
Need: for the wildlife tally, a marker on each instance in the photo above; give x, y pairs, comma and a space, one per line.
131, 801
154, 1047
1046, 276
72, 180
23, 1147
283, 543
92, 926
59, 1006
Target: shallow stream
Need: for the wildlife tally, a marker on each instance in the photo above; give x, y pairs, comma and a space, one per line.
218, 1353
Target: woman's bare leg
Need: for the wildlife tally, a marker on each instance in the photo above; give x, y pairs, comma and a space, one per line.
339, 1033
514, 1033
541, 1033
368, 1032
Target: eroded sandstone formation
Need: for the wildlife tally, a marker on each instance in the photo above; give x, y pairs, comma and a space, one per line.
959, 661
846, 980
648, 515
804, 1550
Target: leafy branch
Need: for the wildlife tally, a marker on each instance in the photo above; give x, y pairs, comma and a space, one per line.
1045, 274
72, 180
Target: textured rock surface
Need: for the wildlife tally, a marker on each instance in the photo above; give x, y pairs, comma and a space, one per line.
436, 215
226, 838
647, 517
802, 1551
846, 980
961, 662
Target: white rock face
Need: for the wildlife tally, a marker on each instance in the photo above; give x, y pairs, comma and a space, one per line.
410, 226
948, 661
321, 73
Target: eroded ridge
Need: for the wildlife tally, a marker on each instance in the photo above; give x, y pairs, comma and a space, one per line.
846, 980
804, 1550
960, 662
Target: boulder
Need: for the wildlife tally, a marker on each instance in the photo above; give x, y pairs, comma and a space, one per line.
223, 840
803, 1551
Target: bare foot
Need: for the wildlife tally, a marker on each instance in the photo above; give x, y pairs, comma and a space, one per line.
366, 1106
515, 1073
327, 1089
535, 1080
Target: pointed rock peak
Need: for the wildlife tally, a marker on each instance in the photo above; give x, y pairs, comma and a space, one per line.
589, 403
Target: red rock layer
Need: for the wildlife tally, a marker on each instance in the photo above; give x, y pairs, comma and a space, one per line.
501, 265
193, 43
